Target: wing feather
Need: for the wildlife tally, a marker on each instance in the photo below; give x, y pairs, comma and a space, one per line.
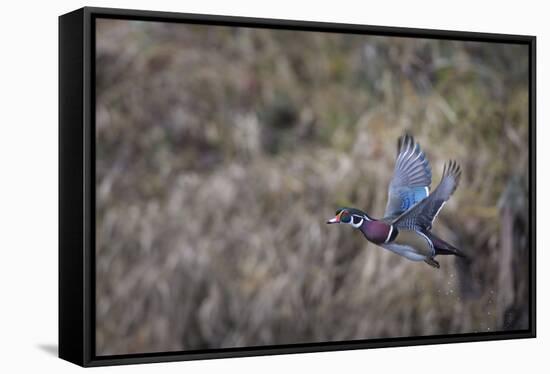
422, 215
411, 179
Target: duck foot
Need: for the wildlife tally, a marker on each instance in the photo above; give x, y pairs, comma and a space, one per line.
432, 262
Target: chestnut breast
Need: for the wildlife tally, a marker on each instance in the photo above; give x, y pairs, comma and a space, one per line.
376, 231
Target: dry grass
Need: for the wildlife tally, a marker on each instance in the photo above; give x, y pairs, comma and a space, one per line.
221, 153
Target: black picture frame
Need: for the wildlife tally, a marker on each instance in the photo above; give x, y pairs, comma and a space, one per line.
77, 187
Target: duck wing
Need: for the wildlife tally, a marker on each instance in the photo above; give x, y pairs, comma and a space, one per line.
411, 179
422, 215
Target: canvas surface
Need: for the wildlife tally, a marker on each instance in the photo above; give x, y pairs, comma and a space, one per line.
221, 152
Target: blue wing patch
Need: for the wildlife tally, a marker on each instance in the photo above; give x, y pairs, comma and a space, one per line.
412, 196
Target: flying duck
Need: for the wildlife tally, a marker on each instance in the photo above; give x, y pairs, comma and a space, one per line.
411, 209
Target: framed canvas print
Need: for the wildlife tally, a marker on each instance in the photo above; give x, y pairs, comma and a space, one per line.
236, 186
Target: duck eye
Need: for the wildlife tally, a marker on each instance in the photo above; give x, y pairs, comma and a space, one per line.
346, 218
356, 220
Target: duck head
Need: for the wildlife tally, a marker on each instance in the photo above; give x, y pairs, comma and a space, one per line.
350, 216
378, 232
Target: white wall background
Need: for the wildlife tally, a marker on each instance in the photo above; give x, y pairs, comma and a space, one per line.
28, 188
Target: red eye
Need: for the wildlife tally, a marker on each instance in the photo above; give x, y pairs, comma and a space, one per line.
346, 217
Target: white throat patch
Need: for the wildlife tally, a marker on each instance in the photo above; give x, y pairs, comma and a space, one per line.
356, 225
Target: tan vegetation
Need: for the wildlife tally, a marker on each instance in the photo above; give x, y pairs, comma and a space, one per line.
221, 152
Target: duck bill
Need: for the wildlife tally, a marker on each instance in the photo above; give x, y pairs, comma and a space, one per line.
336, 219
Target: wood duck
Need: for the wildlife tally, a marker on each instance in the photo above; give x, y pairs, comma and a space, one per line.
411, 209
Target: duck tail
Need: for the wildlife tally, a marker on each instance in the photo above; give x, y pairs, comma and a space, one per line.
444, 248
450, 250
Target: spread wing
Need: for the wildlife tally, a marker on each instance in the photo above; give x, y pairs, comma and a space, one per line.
411, 180
422, 215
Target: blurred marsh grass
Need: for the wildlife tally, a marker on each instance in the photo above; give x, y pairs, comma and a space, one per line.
222, 151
